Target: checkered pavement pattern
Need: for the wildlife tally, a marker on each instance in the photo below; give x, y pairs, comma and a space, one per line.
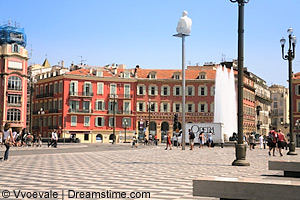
166, 174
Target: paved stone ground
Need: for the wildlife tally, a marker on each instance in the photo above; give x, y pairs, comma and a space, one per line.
119, 168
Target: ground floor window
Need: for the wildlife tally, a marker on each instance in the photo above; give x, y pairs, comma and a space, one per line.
13, 115
86, 136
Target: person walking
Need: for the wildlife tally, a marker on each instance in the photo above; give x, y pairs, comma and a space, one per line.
191, 138
209, 139
8, 139
272, 140
251, 141
169, 144
282, 141
201, 140
53, 139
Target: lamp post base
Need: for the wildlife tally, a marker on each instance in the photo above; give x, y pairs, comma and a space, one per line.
292, 151
240, 152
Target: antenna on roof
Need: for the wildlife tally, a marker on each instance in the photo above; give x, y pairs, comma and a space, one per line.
223, 58
81, 60
30, 53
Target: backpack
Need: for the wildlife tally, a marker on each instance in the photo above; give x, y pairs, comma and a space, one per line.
192, 135
270, 137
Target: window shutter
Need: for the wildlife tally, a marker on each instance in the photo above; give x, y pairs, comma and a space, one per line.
193, 107
96, 105
137, 106
96, 121
180, 107
168, 90
156, 107
174, 91
212, 91
205, 91
297, 90
169, 107
199, 107
186, 107
144, 107
103, 105
144, 89
199, 91
102, 121
156, 90
162, 90
180, 91
161, 107
149, 90
206, 109
76, 87
174, 107
212, 107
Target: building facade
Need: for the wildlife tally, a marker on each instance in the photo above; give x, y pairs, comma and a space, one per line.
13, 74
280, 108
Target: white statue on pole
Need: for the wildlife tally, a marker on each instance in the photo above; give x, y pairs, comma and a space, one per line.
185, 24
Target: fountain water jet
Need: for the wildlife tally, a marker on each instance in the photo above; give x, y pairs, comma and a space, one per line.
225, 102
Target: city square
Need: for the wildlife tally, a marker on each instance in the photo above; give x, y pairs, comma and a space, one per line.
165, 174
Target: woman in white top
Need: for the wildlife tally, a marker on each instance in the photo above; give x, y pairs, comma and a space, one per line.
7, 135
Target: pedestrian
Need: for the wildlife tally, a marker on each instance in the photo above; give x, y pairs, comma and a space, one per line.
201, 140
282, 141
209, 139
261, 141
251, 141
179, 140
191, 138
39, 140
53, 139
145, 140
155, 139
134, 141
8, 139
169, 144
272, 140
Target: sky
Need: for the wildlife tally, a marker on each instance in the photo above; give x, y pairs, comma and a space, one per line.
140, 32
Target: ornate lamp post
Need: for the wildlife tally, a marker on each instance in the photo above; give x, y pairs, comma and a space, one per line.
149, 110
240, 150
290, 57
41, 112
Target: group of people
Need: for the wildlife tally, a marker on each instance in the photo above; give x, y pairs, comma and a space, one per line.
276, 139
202, 139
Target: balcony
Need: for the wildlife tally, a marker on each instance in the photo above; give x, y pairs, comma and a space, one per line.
44, 95
53, 111
120, 96
81, 94
19, 104
119, 112
80, 111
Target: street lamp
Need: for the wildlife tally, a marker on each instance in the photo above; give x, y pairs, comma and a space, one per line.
297, 125
240, 149
41, 112
183, 30
149, 111
125, 124
290, 57
114, 116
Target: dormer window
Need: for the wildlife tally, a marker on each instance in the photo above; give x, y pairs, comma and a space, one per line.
176, 75
202, 75
152, 75
99, 73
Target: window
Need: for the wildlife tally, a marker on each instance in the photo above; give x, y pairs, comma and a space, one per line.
50, 105
60, 87
87, 89
54, 120
45, 105
190, 91
202, 91
100, 105
51, 89
86, 120
50, 122
165, 90
74, 105
14, 99
55, 87
99, 121
177, 77
140, 106
112, 105
111, 122
275, 105
190, 108
41, 89
113, 89
141, 90
86, 136
165, 107
59, 104
126, 107
177, 107
100, 88
202, 107
36, 90
176, 91
152, 76
152, 90
15, 48
46, 89
73, 88
86, 105
73, 120
127, 91
13, 115
14, 83
99, 73
212, 91
60, 121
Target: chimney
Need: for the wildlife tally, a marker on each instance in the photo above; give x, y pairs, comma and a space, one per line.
62, 63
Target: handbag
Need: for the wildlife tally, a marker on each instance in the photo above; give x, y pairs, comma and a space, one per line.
8, 142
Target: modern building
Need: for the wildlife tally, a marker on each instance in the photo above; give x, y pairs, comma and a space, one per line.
13, 76
280, 108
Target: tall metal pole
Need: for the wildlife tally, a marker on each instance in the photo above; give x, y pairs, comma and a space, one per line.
290, 57
183, 93
240, 150
149, 107
114, 116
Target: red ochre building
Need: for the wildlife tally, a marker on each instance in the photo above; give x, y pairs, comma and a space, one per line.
81, 102
13, 77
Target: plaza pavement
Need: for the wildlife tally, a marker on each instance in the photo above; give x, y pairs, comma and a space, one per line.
166, 174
